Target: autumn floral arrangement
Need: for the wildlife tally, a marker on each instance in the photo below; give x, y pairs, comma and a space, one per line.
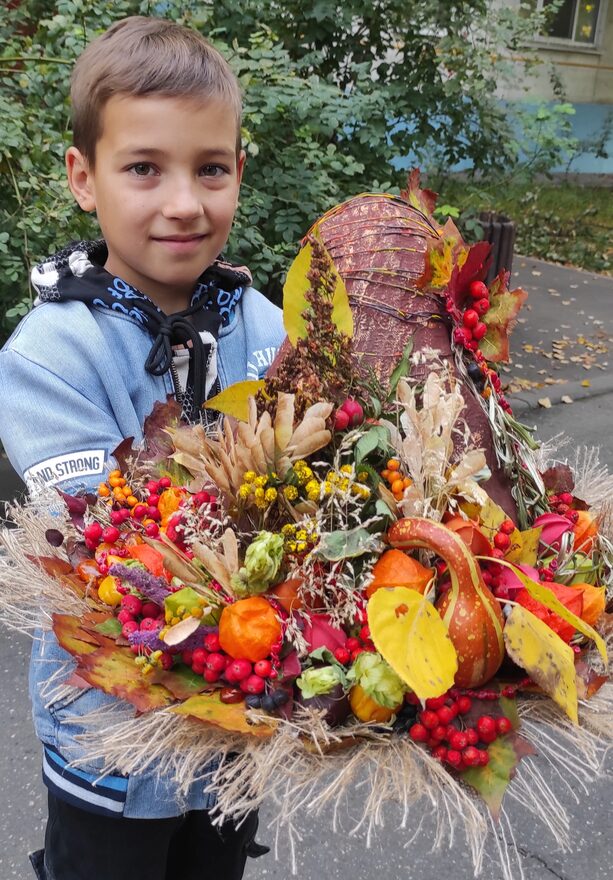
320, 587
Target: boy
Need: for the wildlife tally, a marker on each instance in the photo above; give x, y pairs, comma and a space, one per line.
120, 324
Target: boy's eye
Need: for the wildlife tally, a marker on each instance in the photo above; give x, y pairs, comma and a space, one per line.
141, 169
212, 170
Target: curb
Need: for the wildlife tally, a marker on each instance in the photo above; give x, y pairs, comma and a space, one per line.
529, 400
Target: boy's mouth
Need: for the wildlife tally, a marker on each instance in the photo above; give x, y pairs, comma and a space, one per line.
181, 243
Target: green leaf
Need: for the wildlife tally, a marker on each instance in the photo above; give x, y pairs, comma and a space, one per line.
346, 544
234, 400
376, 438
492, 780
401, 369
295, 303
110, 627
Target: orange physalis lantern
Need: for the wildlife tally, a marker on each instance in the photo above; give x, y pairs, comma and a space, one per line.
249, 628
394, 568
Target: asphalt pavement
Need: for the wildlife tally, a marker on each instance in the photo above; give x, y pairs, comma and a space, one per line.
560, 380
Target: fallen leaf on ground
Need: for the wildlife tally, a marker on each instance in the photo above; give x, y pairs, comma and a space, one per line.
566, 399
545, 402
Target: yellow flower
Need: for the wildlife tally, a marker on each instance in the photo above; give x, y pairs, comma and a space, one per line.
291, 493
344, 485
301, 547
346, 469
244, 491
249, 476
261, 503
259, 494
291, 546
328, 487
312, 486
260, 482
301, 535
363, 476
288, 528
271, 495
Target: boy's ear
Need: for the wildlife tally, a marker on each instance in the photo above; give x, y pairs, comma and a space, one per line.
80, 179
240, 165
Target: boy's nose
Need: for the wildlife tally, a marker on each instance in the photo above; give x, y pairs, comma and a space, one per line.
182, 201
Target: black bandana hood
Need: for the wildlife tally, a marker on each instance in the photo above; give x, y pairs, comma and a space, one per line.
77, 273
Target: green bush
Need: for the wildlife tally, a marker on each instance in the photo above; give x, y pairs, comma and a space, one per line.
324, 83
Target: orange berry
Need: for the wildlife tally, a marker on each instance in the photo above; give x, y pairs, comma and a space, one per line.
385, 474
103, 490
393, 464
397, 487
131, 501
127, 490
118, 493
406, 482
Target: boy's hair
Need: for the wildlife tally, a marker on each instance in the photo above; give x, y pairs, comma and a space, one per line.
143, 56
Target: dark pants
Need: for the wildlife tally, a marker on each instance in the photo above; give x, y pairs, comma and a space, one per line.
84, 846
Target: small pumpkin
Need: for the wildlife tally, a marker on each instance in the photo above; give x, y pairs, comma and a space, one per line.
367, 709
584, 530
470, 611
249, 628
396, 569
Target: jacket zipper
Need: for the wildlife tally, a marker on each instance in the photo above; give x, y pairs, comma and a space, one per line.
174, 373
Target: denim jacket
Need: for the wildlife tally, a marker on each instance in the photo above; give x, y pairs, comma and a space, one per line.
72, 386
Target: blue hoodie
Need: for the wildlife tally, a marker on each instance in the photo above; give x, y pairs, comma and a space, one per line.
73, 386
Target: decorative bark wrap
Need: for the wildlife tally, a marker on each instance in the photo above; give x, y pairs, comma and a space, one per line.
379, 244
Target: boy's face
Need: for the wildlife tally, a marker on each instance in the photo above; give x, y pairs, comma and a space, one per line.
165, 188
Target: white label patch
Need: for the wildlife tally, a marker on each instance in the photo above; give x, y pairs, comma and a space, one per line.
260, 361
65, 467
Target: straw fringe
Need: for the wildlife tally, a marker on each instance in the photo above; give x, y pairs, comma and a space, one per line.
306, 767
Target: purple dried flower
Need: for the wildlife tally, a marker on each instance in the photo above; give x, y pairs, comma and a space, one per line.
154, 588
147, 639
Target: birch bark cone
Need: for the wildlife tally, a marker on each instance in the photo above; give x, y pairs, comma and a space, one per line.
378, 245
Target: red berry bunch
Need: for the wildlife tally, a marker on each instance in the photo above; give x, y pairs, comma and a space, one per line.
562, 505
354, 646
138, 614
456, 746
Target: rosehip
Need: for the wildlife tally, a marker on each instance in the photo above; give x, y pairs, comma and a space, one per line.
478, 289
216, 662
165, 482
482, 306
419, 733
462, 335
153, 500
470, 756
439, 732
186, 657
199, 656
93, 532
470, 319
472, 736
352, 643
166, 660
454, 758
341, 420
152, 486
149, 624
342, 655
502, 541
486, 725
429, 719
128, 628
440, 753
139, 511
507, 527
354, 411
153, 513
435, 703
211, 675
238, 670
262, 668
503, 725
479, 330
253, 684
464, 705
445, 714
211, 642
458, 740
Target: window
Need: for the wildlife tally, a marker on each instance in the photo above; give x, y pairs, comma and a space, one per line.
575, 21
